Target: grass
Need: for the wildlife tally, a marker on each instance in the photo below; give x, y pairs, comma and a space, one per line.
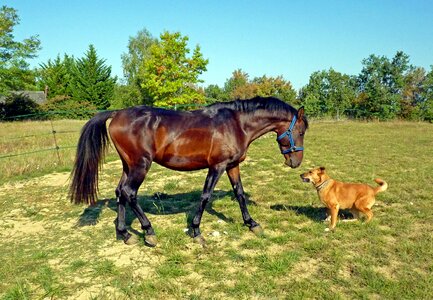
53, 249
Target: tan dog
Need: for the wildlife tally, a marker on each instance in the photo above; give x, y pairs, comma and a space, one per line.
337, 195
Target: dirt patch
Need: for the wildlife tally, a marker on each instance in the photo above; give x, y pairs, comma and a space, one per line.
14, 228
305, 269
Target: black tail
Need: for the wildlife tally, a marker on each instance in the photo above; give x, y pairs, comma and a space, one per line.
90, 153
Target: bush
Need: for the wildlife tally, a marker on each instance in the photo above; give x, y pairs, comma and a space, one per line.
19, 107
64, 107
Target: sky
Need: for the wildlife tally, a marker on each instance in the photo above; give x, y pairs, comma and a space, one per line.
288, 38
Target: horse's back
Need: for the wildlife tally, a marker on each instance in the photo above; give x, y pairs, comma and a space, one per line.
176, 139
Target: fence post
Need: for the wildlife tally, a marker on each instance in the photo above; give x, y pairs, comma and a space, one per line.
55, 140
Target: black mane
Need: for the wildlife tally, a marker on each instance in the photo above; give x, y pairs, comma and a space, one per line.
256, 104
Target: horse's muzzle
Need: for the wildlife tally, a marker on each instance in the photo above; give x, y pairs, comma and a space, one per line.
292, 163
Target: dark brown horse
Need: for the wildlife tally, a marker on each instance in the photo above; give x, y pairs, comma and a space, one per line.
215, 137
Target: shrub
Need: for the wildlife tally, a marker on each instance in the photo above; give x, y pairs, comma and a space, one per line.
64, 107
19, 107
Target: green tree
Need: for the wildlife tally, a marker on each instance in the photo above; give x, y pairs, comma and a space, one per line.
275, 86
426, 99
128, 93
328, 93
213, 93
92, 80
169, 77
14, 68
58, 76
138, 52
381, 83
239, 86
411, 96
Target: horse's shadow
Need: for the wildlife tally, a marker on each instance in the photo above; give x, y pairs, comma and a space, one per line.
160, 204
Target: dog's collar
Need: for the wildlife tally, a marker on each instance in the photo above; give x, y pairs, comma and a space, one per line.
322, 185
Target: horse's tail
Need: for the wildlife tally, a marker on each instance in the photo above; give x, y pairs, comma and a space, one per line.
382, 186
90, 154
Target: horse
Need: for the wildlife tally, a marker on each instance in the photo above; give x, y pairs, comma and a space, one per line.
215, 137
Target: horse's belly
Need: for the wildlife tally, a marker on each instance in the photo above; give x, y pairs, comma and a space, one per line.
183, 163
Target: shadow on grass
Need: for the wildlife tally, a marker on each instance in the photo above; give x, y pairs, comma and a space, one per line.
160, 204
314, 213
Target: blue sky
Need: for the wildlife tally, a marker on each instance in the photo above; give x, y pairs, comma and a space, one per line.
288, 38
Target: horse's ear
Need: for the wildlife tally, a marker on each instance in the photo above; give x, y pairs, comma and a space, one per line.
300, 113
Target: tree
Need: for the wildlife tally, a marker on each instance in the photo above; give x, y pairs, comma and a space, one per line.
92, 80
138, 52
239, 86
168, 77
58, 76
14, 69
128, 94
411, 95
213, 93
328, 93
426, 99
275, 86
381, 84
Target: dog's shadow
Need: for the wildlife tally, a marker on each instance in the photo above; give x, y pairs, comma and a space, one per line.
316, 214
313, 213
159, 204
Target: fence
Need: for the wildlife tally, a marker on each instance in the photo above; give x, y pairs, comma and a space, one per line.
54, 132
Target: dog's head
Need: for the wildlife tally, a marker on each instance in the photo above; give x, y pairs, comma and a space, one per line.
315, 176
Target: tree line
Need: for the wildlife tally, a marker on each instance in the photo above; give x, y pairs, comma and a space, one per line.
164, 71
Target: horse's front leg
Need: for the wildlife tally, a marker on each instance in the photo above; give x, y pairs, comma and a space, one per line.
235, 180
211, 180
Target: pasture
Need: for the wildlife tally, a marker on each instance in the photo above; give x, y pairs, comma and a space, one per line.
53, 249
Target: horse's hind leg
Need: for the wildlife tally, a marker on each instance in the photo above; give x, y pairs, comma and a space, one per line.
121, 213
235, 180
129, 192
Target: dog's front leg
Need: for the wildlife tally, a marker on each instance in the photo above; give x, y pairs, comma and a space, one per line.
334, 215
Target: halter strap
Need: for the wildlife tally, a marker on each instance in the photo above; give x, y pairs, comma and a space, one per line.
288, 132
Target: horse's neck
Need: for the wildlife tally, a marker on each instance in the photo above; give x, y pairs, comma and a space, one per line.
256, 126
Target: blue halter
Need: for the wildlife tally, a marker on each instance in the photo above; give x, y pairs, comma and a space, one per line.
288, 133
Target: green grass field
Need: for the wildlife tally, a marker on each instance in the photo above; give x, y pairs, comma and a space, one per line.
51, 249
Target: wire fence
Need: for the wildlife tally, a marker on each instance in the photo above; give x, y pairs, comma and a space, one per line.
51, 134
54, 133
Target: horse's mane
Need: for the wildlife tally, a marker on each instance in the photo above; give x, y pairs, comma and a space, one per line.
256, 105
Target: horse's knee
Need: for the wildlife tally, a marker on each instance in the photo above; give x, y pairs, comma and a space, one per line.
129, 194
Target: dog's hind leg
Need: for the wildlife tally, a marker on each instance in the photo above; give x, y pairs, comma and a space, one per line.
367, 212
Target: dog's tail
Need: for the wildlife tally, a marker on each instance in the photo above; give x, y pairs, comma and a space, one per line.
382, 186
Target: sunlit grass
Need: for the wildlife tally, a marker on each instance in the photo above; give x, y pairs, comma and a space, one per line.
52, 249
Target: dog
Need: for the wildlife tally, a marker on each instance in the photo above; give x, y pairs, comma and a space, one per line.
336, 195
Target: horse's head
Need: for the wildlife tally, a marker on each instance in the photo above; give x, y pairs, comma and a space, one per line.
291, 139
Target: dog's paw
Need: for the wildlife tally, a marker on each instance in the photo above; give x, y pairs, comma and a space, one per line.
327, 229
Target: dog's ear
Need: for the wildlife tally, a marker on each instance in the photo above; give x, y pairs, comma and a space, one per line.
322, 169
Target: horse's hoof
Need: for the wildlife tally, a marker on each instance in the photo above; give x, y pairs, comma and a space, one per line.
199, 239
257, 230
150, 240
131, 240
